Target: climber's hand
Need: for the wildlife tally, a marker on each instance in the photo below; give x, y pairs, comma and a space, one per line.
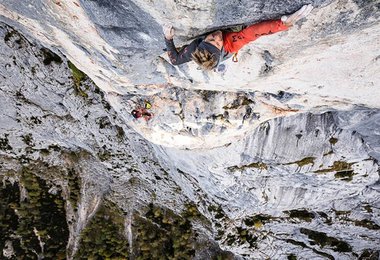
301, 13
168, 31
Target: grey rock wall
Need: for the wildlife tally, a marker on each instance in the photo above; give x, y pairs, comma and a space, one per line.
131, 30
59, 137
299, 185
319, 63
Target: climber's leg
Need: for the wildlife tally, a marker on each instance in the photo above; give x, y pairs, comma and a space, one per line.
234, 41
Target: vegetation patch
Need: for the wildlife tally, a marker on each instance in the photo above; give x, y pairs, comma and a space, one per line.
343, 170
103, 238
323, 240
367, 224
337, 166
104, 155
10, 196
239, 102
247, 236
333, 140
165, 235
4, 143
258, 220
74, 184
243, 236
368, 208
218, 211
50, 57
9, 35
78, 77
301, 214
219, 215
120, 133
370, 254
255, 165
302, 244
37, 219
27, 139
326, 218
345, 175
303, 162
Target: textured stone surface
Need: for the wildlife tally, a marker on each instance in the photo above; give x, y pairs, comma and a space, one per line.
68, 136
319, 63
312, 170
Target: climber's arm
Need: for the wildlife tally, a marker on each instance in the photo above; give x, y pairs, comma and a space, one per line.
182, 56
177, 57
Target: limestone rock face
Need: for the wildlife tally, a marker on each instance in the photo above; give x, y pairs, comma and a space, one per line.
68, 159
276, 158
319, 64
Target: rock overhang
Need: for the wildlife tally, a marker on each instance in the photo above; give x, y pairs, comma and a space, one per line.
120, 45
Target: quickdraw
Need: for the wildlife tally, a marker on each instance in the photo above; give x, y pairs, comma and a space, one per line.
235, 58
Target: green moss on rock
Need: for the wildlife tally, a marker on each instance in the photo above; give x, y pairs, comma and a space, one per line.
246, 236
78, 77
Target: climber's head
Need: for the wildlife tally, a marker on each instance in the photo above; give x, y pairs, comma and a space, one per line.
206, 59
208, 52
216, 39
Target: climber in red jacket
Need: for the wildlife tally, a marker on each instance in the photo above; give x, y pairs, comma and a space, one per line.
208, 52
